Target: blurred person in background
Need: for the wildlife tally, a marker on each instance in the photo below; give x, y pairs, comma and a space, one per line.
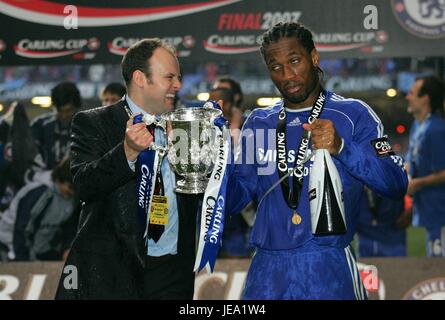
51, 131
227, 96
52, 221
426, 160
381, 226
13, 223
237, 118
20, 157
20, 170
112, 93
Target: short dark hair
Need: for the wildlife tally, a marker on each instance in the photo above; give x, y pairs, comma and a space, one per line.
115, 88
434, 88
66, 93
137, 56
288, 30
226, 94
234, 86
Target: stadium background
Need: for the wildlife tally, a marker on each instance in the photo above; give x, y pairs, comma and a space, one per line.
377, 65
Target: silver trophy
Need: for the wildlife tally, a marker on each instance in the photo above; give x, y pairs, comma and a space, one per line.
193, 145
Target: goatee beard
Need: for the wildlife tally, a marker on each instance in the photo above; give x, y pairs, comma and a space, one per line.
301, 97
305, 95
297, 99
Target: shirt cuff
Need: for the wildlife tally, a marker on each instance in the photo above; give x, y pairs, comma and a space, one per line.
341, 147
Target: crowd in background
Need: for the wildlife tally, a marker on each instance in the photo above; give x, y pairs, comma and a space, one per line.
39, 209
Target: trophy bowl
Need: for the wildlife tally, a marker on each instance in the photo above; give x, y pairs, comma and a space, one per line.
192, 146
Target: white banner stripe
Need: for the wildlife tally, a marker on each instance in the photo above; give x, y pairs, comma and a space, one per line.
212, 190
58, 20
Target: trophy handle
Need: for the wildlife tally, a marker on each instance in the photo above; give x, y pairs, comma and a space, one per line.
150, 119
162, 124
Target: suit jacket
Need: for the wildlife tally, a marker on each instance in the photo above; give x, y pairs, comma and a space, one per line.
108, 250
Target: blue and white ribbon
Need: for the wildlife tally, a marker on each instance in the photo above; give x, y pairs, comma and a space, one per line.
214, 204
146, 170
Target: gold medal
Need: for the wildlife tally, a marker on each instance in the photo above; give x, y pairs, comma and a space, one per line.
296, 218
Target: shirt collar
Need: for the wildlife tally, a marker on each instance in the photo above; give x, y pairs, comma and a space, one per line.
135, 109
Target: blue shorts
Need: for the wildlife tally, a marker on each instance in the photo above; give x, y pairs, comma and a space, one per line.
435, 242
314, 273
368, 247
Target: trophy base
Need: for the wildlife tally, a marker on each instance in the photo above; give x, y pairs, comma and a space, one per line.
191, 185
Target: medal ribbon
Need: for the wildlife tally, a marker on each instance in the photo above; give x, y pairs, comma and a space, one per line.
292, 196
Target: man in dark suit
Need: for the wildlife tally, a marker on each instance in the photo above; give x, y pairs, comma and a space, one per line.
110, 254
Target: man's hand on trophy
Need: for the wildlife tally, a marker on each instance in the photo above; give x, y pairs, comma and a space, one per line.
137, 139
324, 135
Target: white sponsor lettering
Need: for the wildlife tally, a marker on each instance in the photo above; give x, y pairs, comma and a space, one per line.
383, 146
210, 204
220, 165
346, 37
217, 40
142, 188
214, 234
60, 44
282, 163
299, 169
317, 108
123, 43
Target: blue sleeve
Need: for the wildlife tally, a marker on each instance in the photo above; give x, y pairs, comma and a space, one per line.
435, 142
243, 175
384, 173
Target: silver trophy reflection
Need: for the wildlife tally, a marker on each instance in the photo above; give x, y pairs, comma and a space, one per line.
192, 145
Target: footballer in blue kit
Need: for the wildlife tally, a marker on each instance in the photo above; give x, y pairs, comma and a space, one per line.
290, 262
426, 159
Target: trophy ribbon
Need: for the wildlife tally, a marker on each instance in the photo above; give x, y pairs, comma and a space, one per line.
213, 207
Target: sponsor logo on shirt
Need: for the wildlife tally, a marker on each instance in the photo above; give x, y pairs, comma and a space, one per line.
382, 147
294, 123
